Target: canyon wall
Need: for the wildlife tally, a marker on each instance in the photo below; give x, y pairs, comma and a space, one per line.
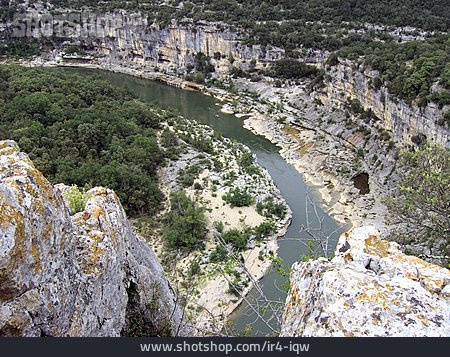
127, 40
81, 275
408, 124
369, 288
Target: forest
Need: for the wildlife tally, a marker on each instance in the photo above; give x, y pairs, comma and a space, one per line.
416, 13
410, 69
84, 131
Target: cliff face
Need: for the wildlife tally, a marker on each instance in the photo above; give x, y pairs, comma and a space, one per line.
369, 288
406, 122
121, 40
128, 39
85, 275
174, 48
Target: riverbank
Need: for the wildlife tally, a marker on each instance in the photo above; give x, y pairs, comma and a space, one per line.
307, 159
206, 283
302, 142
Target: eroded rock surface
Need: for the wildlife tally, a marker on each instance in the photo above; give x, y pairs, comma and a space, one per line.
408, 124
85, 275
369, 288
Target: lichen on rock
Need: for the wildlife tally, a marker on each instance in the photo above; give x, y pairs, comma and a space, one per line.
63, 275
370, 288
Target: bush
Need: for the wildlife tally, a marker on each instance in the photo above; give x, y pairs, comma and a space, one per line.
268, 208
236, 238
219, 226
186, 177
238, 198
76, 199
218, 255
198, 186
265, 229
185, 224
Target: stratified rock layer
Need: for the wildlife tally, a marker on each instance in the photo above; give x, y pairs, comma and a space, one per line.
85, 275
126, 42
407, 123
369, 288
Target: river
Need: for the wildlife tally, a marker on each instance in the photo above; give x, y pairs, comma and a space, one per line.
204, 109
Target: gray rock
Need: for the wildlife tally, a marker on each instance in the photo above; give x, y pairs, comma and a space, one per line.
369, 288
85, 275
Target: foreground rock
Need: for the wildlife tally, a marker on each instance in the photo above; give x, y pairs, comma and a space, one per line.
85, 275
369, 288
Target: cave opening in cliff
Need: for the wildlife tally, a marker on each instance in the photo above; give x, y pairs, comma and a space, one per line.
361, 182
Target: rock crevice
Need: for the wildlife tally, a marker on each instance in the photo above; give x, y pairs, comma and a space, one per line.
63, 275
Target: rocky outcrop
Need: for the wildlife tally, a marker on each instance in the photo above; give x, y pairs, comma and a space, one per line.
408, 123
128, 42
129, 39
369, 288
81, 275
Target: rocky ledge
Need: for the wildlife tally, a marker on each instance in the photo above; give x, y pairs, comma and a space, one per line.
369, 288
81, 275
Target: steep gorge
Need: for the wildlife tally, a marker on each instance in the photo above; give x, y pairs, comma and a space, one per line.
124, 42
127, 42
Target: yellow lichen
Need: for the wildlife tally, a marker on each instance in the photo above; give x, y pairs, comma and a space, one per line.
7, 150
374, 297
37, 259
376, 246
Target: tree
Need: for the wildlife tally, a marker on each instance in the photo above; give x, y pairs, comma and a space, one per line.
421, 203
237, 197
185, 223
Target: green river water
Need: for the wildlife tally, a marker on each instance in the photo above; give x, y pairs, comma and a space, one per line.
204, 109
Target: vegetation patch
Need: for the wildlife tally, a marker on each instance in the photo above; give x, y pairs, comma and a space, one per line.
238, 197
185, 224
84, 131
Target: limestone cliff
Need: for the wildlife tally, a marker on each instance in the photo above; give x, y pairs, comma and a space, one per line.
127, 42
369, 288
81, 275
128, 39
408, 123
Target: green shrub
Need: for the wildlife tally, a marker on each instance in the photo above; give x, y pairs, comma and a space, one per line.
265, 229
76, 199
185, 224
218, 255
268, 208
198, 186
186, 177
219, 226
236, 238
238, 198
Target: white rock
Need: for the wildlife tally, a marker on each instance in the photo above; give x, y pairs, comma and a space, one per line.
72, 276
369, 288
